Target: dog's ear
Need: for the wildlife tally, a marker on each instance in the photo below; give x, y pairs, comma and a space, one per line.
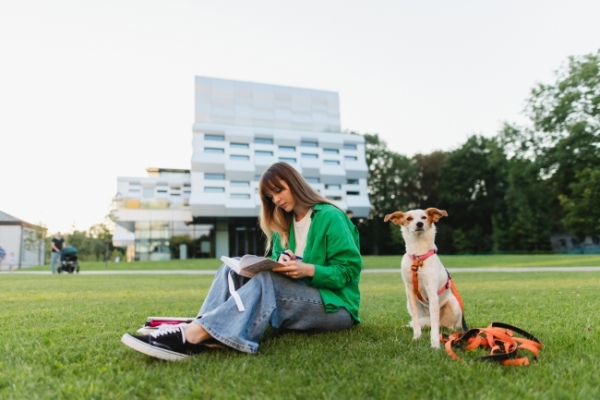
396, 217
434, 214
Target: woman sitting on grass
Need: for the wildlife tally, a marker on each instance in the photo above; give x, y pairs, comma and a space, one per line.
315, 290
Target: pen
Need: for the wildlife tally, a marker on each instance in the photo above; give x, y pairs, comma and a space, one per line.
287, 254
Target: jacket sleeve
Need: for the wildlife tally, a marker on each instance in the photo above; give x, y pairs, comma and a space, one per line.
276, 247
343, 262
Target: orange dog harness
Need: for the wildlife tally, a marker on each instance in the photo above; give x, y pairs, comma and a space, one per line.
499, 338
418, 263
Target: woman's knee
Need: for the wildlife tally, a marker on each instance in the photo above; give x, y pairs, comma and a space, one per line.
223, 269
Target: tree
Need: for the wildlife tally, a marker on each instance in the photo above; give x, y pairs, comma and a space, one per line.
103, 237
35, 239
528, 224
472, 189
582, 213
428, 168
95, 244
564, 140
391, 187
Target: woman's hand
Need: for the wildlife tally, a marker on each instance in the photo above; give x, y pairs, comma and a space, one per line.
295, 268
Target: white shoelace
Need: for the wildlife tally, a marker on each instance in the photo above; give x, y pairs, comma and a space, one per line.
168, 331
234, 293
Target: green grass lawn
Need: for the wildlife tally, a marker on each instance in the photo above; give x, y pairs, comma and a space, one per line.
61, 340
370, 262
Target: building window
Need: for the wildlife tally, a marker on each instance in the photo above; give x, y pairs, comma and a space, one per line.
148, 192
174, 174
263, 153
310, 155
214, 150
308, 143
349, 146
353, 193
239, 145
239, 183
214, 189
187, 185
240, 196
352, 181
331, 151
214, 177
134, 190
313, 180
333, 187
238, 157
134, 184
175, 194
162, 184
350, 158
159, 191
187, 192
263, 140
334, 198
331, 162
287, 159
287, 148
216, 138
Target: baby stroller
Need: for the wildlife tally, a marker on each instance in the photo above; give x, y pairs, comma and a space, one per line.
68, 260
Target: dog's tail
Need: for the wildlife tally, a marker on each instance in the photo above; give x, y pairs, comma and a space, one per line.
464, 323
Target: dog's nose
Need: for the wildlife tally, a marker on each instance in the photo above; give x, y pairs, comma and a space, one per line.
419, 224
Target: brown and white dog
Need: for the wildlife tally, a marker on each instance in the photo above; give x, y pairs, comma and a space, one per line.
433, 304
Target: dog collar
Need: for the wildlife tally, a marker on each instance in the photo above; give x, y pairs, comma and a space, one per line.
418, 260
422, 257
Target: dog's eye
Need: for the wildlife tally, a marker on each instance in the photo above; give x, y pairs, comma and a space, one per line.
423, 217
409, 218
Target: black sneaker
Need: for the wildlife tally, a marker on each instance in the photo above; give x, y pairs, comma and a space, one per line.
166, 344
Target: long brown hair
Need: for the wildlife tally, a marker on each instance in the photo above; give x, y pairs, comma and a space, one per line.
276, 219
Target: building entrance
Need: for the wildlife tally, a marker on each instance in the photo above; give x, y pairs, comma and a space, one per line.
245, 240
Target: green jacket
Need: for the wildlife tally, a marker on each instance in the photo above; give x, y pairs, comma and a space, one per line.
333, 247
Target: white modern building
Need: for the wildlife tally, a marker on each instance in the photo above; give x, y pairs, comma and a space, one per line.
23, 239
154, 221
240, 129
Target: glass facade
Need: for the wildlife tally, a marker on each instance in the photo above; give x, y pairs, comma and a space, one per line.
159, 240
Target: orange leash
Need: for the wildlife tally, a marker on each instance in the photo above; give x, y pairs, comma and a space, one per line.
457, 295
499, 338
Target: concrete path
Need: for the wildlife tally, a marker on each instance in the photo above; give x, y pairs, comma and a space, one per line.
366, 271
504, 269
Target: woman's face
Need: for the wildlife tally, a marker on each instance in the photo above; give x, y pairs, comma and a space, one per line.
284, 198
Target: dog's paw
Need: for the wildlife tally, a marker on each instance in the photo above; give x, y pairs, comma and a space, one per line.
435, 344
416, 334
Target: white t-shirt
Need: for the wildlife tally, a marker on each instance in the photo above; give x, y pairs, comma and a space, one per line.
301, 233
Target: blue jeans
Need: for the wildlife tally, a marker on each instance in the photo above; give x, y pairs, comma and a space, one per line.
54, 258
269, 299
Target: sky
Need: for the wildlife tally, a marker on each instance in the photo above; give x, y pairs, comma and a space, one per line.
92, 90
